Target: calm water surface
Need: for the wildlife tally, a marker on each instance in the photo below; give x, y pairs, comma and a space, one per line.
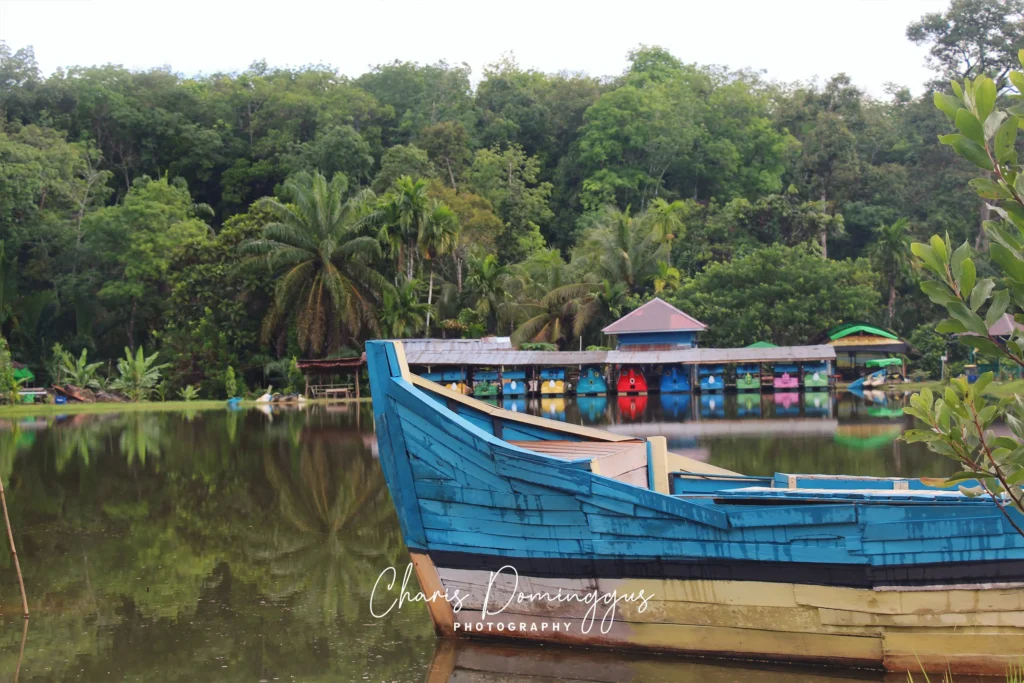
243, 546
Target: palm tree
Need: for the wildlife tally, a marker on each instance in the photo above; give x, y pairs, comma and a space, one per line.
892, 257
488, 286
668, 278
628, 251
439, 235
325, 280
604, 305
666, 219
403, 217
403, 313
551, 319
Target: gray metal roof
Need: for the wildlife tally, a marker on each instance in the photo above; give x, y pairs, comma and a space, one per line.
466, 354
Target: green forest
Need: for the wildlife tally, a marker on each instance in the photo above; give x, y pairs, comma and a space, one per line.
230, 223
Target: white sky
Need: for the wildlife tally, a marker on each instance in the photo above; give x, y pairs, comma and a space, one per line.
789, 39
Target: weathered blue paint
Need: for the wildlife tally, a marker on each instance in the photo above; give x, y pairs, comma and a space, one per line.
712, 377
460, 486
676, 339
675, 379
488, 375
552, 373
592, 381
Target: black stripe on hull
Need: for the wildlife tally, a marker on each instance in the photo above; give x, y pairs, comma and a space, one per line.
818, 574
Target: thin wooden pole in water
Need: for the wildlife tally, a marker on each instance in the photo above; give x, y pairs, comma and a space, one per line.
14, 552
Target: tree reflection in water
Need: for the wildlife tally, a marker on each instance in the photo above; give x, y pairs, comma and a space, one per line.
173, 546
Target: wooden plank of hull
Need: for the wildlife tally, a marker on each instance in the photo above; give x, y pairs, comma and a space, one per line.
478, 662
755, 619
704, 640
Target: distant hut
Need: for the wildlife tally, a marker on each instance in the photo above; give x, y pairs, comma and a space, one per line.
655, 326
858, 342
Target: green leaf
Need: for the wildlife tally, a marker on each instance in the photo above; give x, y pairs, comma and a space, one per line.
989, 189
970, 126
927, 254
957, 90
981, 292
948, 104
991, 125
1005, 139
1000, 300
939, 247
973, 152
938, 292
968, 276
1011, 264
971, 320
982, 382
984, 96
950, 326
957, 259
983, 345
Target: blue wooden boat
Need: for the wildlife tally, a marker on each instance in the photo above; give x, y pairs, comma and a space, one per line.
592, 381
527, 528
513, 382
712, 377
675, 379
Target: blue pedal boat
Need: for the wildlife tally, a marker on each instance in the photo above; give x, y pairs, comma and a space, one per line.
675, 379
712, 377
528, 528
592, 382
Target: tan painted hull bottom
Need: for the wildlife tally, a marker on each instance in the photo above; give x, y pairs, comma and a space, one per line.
963, 631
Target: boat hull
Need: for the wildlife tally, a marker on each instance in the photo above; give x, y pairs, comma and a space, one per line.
631, 381
894, 630
888, 573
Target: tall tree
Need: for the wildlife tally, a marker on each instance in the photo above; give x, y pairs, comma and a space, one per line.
325, 284
972, 38
892, 258
439, 236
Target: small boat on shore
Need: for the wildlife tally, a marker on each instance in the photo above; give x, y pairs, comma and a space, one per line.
521, 527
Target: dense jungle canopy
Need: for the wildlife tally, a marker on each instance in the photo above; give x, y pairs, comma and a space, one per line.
239, 220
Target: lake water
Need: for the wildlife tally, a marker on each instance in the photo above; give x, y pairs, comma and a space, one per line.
243, 545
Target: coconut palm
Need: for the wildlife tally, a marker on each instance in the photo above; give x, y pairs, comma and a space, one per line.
439, 235
892, 258
605, 304
489, 286
402, 312
551, 318
325, 281
627, 250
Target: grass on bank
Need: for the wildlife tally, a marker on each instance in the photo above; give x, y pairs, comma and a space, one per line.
45, 409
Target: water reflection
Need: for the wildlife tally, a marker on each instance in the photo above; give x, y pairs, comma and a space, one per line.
242, 545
